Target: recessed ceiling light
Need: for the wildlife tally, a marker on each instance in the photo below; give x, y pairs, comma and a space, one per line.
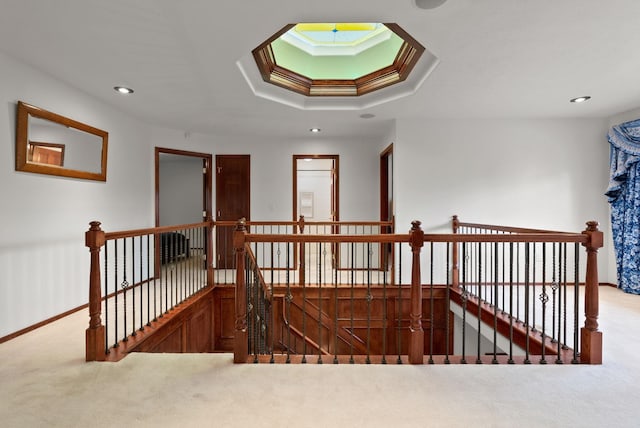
580, 99
367, 115
123, 90
314, 130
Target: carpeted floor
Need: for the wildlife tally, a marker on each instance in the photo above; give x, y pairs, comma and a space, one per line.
44, 382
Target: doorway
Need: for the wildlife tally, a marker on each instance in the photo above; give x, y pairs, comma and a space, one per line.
183, 187
315, 187
386, 202
233, 173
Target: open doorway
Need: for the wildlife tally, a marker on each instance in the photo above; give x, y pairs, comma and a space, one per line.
183, 196
183, 186
315, 187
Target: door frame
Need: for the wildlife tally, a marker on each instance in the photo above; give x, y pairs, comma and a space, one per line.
335, 184
386, 211
207, 159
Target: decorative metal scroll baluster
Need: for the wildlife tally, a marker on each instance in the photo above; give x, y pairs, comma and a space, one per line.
565, 341
560, 302
115, 291
124, 285
533, 291
544, 299
554, 289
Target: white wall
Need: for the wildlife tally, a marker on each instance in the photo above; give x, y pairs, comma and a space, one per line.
180, 190
272, 169
548, 174
44, 265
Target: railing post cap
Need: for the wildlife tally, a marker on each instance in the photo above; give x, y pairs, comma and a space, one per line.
415, 225
592, 226
241, 225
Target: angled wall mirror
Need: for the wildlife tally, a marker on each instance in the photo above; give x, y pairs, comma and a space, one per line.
47, 143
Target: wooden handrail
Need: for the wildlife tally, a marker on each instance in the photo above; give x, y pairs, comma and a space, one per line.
154, 230
456, 224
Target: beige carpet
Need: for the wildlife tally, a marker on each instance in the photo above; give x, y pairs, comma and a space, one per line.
44, 382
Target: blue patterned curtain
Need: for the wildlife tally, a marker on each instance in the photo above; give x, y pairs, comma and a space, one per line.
624, 197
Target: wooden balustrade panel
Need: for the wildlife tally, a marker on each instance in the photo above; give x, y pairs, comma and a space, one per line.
355, 332
191, 329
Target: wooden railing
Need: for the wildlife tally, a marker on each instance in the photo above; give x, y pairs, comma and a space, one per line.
438, 254
352, 281
137, 279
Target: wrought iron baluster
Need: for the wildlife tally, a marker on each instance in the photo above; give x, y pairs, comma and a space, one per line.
124, 285
288, 299
560, 302
399, 313
369, 300
106, 298
478, 359
352, 284
526, 300
576, 310
335, 309
464, 298
510, 361
431, 302
304, 307
448, 304
495, 308
544, 299
319, 302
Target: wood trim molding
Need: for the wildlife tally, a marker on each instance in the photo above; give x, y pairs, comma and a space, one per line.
407, 57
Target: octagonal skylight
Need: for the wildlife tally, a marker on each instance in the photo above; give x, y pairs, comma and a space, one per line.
337, 59
337, 66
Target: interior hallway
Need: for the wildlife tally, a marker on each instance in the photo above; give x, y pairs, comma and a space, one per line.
44, 382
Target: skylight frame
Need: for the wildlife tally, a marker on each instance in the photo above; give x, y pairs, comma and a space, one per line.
407, 57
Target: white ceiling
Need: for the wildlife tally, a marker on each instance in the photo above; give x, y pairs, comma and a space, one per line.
498, 58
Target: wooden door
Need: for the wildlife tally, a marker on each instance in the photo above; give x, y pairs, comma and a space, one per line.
386, 201
232, 202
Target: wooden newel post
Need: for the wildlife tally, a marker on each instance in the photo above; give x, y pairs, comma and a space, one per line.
416, 333
455, 272
591, 338
241, 346
95, 335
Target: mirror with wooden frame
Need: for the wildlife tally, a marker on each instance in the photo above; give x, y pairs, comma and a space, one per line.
47, 143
